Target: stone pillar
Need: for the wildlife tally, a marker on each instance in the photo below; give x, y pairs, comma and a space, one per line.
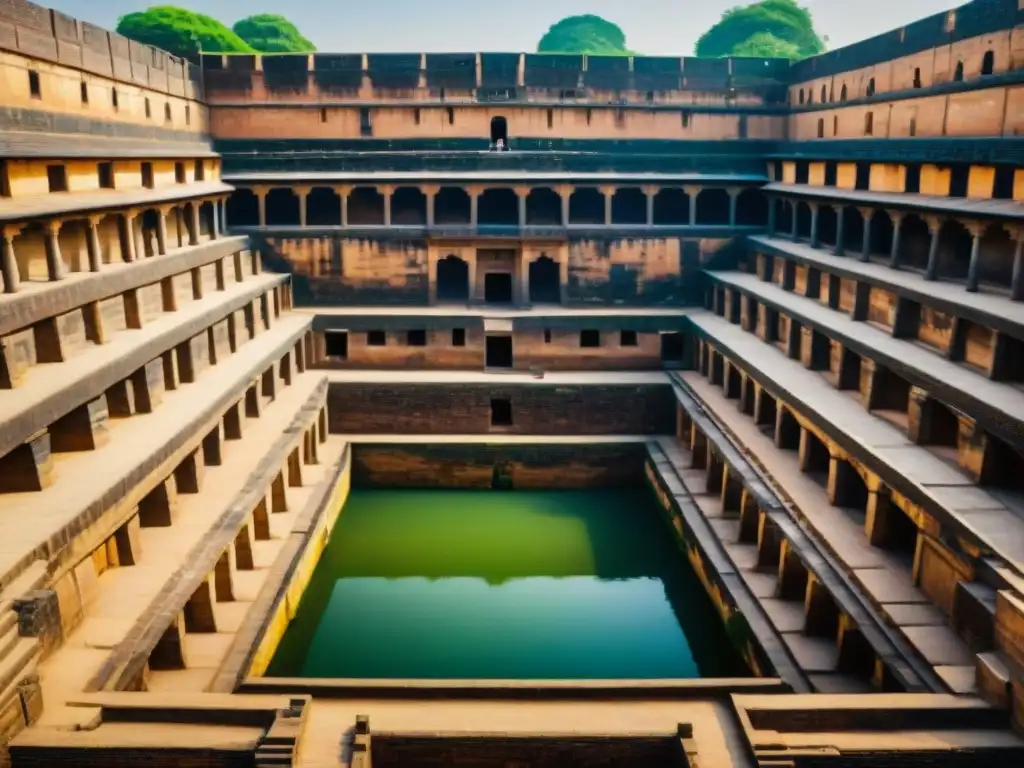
92, 244
734, 197
771, 217
565, 194
865, 250
474, 198
303, 194
193, 223
128, 236
343, 193
54, 261
840, 221
222, 216
794, 219
1017, 281
609, 192
161, 231
8, 262
895, 252
521, 194
650, 191
934, 229
430, 193
977, 230
387, 191
691, 193
261, 202
815, 241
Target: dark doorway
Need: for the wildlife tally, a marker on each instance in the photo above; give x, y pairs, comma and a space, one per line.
499, 133
498, 288
336, 344
452, 279
672, 348
544, 287
501, 413
499, 351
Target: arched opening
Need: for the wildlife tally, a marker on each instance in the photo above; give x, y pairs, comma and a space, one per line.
282, 208
499, 133
365, 207
955, 244
713, 207
452, 279
917, 77
498, 206
586, 206
207, 219
544, 281
408, 207
853, 230
672, 207
73, 244
824, 94
871, 87
803, 220
988, 63
915, 242
821, 127
751, 208
323, 207
544, 207
629, 206
958, 73
882, 231
783, 216
146, 245
827, 223
995, 257
243, 208
452, 206
842, 93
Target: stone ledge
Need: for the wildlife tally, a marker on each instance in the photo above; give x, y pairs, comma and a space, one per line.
23, 144
162, 446
90, 375
131, 655
34, 302
991, 310
1000, 405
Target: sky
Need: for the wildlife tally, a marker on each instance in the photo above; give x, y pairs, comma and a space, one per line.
655, 27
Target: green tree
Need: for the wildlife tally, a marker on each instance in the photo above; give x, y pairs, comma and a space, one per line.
177, 30
765, 45
584, 34
763, 26
272, 33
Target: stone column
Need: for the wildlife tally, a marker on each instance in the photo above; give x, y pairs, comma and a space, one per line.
128, 236
734, 197
8, 262
303, 195
840, 220
794, 220
222, 210
934, 229
430, 193
895, 253
650, 191
565, 194
343, 193
691, 193
771, 217
609, 192
386, 191
92, 244
865, 250
161, 231
54, 261
261, 202
1017, 281
474, 198
815, 240
521, 194
193, 222
977, 229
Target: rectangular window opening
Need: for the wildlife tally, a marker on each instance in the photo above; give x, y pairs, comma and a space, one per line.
149, 109
365, 124
188, 115
57, 178
416, 338
551, 118
147, 175
547, 335
590, 338
336, 344
199, 170
168, 116
628, 339
458, 337
34, 86
179, 173
5, 182
105, 172
323, 115
376, 339
501, 412
114, 99
84, 86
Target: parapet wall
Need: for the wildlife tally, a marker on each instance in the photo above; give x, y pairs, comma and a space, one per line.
49, 35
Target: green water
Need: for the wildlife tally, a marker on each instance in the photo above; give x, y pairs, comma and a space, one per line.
504, 584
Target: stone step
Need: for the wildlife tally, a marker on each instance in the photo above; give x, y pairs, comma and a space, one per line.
994, 684
17, 662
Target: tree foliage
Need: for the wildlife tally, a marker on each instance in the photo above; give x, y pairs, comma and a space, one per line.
272, 33
584, 34
769, 25
180, 31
